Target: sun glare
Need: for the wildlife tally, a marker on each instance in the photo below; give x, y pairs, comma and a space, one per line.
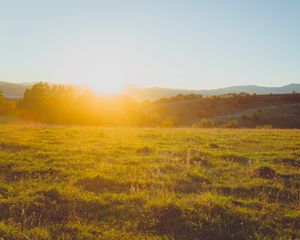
106, 87
102, 67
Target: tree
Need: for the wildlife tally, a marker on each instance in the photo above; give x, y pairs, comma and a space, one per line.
256, 116
7, 107
2, 98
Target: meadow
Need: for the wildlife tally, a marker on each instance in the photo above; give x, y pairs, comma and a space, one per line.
148, 183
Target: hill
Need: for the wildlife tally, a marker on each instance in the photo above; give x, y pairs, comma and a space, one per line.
157, 93
278, 110
14, 90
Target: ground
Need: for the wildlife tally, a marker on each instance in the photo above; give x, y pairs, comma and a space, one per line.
133, 183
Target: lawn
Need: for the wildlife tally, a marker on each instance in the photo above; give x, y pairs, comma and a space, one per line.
137, 183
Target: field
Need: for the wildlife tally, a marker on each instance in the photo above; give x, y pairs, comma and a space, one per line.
137, 183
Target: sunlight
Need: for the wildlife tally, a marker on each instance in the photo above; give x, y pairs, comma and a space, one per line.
149, 120
103, 66
107, 87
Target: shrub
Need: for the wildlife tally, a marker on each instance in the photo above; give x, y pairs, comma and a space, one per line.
230, 124
256, 116
269, 126
204, 123
167, 123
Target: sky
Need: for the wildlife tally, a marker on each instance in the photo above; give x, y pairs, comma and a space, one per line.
201, 44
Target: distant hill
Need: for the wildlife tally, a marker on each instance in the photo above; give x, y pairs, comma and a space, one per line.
278, 110
14, 90
157, 93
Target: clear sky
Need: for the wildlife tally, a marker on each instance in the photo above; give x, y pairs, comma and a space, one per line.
177, 44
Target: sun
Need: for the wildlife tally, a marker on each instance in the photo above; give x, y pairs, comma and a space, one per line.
106, 87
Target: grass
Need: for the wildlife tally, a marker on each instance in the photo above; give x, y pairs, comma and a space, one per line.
126, 183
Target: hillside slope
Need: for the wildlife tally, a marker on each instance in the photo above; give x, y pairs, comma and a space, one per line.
279, 110
157, 93
14, 90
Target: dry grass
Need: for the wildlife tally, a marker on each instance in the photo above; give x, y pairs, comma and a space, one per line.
125, 183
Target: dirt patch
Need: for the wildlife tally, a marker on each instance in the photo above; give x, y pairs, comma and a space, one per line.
144, 151
4, 192
13, 147
213, 146
49, 206
265, 172
236, 159
288, 162
211, 221
201, 162
290, 180
122, 210
42, 156
165, 220
16, 174
191, 183
100, 184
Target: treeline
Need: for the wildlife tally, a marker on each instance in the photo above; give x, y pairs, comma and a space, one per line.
7, 107
61, 104
57, 104
232, 110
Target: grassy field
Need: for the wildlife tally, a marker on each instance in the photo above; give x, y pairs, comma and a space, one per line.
126, 183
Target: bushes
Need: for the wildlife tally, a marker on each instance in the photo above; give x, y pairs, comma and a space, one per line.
7, 107
204, 123
269, 126
208, 123
230, 124
257, 116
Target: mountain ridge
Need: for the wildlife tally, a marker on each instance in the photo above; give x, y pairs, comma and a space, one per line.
155, 93
16, 90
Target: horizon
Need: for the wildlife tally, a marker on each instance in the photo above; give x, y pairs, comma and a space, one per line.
150, 87
180, 45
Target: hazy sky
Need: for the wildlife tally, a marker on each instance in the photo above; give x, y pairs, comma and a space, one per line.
179, 44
